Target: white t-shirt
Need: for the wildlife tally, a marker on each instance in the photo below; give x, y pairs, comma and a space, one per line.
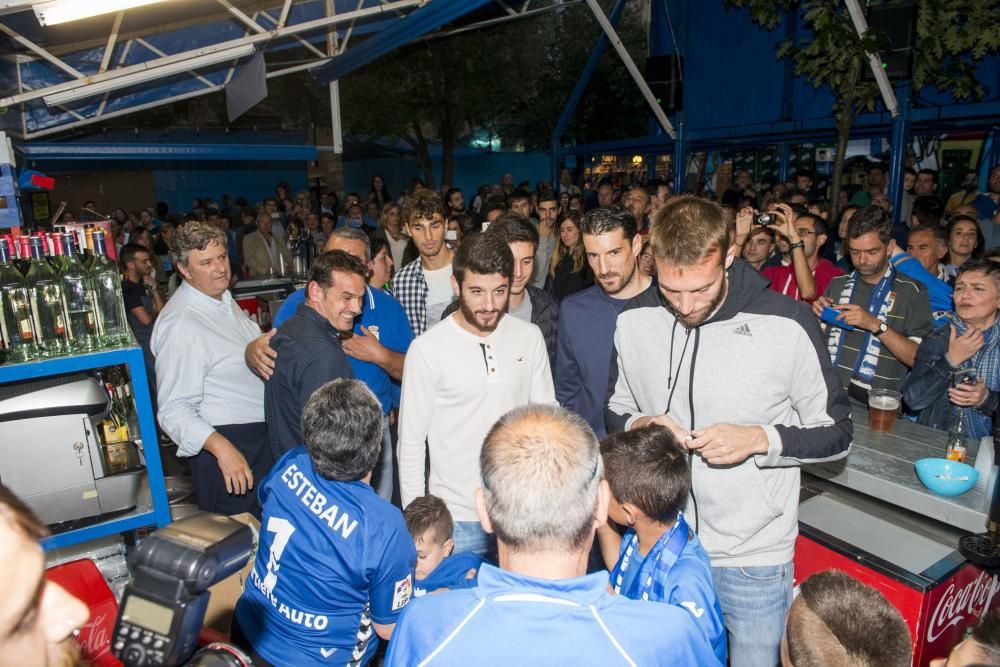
439, 293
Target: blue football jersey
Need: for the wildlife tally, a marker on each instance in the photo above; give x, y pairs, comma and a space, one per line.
333, 557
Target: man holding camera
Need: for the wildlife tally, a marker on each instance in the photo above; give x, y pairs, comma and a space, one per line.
808, 274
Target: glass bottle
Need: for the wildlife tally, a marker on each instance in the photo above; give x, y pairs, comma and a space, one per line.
47, 307
959, 431
112, 326
88, 245
15, 310
23, 262
78, 291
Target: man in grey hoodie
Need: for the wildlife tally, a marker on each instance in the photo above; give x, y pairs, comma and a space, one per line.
741, 375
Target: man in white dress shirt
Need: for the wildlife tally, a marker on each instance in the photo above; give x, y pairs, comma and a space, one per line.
210, 403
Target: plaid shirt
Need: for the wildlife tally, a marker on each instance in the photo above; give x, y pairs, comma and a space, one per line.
410, 288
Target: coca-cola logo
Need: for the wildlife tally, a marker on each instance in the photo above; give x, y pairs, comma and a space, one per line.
958, 604
93, 639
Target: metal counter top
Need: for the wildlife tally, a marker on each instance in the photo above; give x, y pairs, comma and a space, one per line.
880, 465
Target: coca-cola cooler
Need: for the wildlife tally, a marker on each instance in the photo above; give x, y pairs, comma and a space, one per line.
913, 560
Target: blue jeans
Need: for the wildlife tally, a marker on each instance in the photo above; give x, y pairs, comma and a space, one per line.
382, 475
754, 603
470, 536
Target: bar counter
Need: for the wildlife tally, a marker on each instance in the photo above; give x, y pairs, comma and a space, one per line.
880, 465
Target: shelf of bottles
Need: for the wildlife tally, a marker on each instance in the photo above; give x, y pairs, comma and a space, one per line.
59, 297
61, 311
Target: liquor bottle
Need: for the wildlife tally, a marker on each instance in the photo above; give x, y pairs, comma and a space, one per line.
88, 246
112, 325
23, 262
78, 291
47, 306
15, 310
955, 450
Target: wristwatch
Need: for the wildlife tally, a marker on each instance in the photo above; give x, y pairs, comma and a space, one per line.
882, 328
797, 244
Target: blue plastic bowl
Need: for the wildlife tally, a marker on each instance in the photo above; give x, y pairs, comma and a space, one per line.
935, 474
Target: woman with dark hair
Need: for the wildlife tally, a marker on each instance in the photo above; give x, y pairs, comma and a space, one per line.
965, 242
379, 190
968, 347
569, 271
381, 264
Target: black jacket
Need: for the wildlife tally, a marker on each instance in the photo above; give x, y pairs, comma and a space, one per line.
309, 356
544, 315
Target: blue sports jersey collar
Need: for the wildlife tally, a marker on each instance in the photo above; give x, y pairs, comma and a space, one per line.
586, 590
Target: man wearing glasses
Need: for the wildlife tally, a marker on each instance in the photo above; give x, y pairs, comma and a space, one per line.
808, 274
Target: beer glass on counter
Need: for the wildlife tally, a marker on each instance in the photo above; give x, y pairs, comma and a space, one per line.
882, 407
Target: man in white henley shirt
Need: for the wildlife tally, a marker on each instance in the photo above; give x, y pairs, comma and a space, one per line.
462, 375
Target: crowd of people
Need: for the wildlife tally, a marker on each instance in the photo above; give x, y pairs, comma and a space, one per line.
498, 432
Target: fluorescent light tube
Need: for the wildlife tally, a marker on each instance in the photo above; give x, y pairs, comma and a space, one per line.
54, 12
145, 76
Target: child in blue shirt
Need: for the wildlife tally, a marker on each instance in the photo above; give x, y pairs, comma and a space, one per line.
659, 558
431, 526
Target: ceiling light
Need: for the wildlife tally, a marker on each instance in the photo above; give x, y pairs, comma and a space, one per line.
145, 76
54, 12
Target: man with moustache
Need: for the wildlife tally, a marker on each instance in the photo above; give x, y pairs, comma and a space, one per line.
675, 348
461, 376
210, 403
583, 346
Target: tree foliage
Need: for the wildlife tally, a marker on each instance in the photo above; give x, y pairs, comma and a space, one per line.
952, 35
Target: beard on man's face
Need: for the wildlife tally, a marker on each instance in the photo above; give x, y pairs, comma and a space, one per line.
470, 317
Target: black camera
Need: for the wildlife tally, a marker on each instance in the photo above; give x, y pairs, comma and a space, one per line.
163, 608
763, 219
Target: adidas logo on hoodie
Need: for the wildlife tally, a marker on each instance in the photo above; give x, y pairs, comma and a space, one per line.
743, 330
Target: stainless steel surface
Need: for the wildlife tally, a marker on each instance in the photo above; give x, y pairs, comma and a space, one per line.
120, 492
880, 465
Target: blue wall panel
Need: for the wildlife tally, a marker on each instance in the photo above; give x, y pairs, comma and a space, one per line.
181, 182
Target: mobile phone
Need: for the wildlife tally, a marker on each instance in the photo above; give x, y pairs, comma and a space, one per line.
830, 315
485, 226
450, 235
964, 376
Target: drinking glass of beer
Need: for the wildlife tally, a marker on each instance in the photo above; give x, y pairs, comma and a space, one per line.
882, 407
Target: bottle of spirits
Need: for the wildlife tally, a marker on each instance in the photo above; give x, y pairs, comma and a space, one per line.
47, 305
112, 325
88, 246
23, 262
15, 310
78, 291
957, 435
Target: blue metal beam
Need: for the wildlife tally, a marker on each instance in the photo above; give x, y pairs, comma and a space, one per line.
232, 152
900, 142
581, 85
416, 24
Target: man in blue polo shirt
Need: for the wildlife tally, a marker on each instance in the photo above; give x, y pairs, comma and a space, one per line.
544, 496
334, 564
382, 335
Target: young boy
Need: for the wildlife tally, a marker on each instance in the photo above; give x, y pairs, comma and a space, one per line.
430, 524
659, 558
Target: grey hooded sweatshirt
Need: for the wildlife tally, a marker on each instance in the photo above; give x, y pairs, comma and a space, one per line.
761, 359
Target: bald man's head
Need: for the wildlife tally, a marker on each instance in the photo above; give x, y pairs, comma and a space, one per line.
541, 468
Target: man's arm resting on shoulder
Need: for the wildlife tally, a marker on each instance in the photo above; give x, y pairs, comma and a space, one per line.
260, 356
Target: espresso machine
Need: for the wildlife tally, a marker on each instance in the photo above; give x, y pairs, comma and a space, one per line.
52, 454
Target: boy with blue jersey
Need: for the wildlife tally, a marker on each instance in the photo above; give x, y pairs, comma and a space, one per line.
334, 563
659, 558
431, 526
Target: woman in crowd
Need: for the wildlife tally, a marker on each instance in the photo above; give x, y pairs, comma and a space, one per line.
569, 271
379, 190
970, 342
381, 264
965, 242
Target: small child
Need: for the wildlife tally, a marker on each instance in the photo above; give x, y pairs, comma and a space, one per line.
431, 526
659, 558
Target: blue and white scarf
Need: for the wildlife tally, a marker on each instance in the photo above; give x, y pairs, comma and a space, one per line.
652, 575
879, 305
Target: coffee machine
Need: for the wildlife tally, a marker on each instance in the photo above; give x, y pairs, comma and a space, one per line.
52, 455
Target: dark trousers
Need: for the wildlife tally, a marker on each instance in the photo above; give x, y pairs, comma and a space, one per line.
209, 484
